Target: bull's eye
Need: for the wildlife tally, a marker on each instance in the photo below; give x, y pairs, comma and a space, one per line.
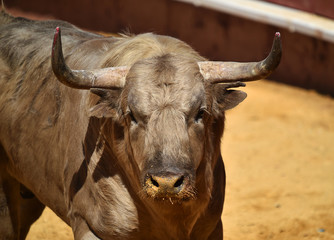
199, 115
133, 119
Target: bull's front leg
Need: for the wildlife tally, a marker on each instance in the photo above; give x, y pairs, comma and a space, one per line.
19, 208
6, 224
17, 211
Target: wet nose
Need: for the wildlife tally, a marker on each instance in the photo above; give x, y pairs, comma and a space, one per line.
166, 185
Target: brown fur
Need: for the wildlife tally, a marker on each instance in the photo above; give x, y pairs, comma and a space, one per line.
86, 154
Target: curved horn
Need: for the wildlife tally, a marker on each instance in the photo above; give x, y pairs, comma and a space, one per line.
113, 77
223, 72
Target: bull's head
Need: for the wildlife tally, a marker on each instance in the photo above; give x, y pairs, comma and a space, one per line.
167, 106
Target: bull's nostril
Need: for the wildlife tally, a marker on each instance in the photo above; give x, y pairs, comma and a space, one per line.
179, 182
154, 182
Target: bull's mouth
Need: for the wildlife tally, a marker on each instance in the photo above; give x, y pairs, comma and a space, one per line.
170, 188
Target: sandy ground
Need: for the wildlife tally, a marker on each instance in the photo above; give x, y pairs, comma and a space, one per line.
278, 150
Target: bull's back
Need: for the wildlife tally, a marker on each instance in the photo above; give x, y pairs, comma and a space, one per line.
27, 83
25, 76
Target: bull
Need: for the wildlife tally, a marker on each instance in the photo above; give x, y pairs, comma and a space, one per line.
119, 136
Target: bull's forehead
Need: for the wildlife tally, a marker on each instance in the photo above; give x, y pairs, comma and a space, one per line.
165, 82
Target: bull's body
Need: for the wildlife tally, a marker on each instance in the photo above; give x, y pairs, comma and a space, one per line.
64, 148
48, 137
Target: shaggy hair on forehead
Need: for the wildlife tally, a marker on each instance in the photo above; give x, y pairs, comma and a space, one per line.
159, 82
130, 49
167, 69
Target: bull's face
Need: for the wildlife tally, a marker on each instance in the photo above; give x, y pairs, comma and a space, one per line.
167, 106
166, 109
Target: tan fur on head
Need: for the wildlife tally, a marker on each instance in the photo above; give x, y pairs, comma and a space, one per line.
129, 50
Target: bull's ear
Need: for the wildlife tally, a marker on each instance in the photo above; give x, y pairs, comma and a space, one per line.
108, 104
227, 98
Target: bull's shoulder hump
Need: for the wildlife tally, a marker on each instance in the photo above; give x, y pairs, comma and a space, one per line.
8, 22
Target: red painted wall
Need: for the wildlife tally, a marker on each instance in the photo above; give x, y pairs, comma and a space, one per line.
307, 62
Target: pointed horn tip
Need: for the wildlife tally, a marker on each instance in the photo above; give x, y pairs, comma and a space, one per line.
57, 31
277, 39
277, 45
55, 39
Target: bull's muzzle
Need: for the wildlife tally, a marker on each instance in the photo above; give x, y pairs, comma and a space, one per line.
169, 186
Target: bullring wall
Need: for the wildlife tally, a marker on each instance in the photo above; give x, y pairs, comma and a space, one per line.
307, 62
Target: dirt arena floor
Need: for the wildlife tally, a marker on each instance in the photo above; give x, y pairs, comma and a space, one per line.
278, 150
